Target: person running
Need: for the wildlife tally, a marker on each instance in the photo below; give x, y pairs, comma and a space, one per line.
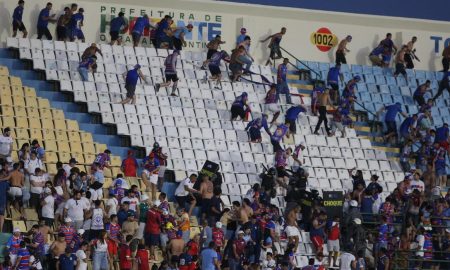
282, 85
349, 93
179, 36
421, 91
274, 45
237, 108
333, 81
271, 103
131, 79
116, 25
443, 84
170, 72
17, 23
91, 51
43, 20
281, 131
446, 58
213, 46
400, 63
291, 117
246, 58
391, 114
409, 55
390, 47
63, 20
76, 22
254, 128
375, 56
214, 66
323, 100
342, 49
139, 26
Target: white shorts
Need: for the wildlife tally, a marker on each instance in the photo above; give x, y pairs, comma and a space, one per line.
292, 231
154, 179
15, 191
13, 258
271, 107
333, 245
140, 231
161, 171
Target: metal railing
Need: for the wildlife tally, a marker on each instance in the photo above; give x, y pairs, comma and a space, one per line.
303, 63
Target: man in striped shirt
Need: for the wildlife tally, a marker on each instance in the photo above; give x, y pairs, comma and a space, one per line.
170, 72
23, 258
113, 229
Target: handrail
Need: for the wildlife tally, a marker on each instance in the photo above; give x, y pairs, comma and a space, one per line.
298, 60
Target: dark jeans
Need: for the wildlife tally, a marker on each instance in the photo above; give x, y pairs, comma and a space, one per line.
409, 61
420, 100
445, 64
322, 118
442, 86
340, 58
43, 31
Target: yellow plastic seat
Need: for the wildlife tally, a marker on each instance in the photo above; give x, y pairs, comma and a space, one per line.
32, 110
22, 133
43, 103
22, 122
6, 99
51, 157
19, 101
29, 92
72, 125
75, 147
86, 137
88, 147
116, 161
31, 214
63, 146
108, 182
88, 158
45, 113
15, 81
51, 146
17, 90
61, 136
4, 71
74, 136
64, 157
20, 112
4, 80
115, 171
34, 123
7, 110
60, 124
58, 114
48, 134
36, 133
107, 172
8, 121
100, 147
79, 157
32, 102
47, 124
19, 224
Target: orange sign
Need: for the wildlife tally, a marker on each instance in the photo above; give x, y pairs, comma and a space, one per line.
323, 39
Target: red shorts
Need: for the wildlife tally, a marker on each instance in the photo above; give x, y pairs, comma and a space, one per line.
317, 242
445, 145
112, 247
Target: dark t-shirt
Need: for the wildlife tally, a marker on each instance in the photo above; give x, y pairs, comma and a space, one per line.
4, 187
215, 202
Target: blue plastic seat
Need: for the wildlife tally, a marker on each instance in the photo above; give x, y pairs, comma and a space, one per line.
405, 91
410, 72
412, 82
408, 100
345, 68
420, 74
372, 88
395, 90
439, 75
384, 89
313, 65
379, 79
362, 87
377, 71
401, 80
357, 69
430, 75
377, 98
324, 66
388, 72
364, 96
301, 66
412, 109
369, 78
397, 98
444, 111
390, 80
367, 70
387, 99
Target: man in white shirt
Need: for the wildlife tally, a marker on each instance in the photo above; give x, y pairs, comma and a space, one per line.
72, 164
131, 198
48, 207
31, 164
112, 204
348, 260
184, 191
75, 209
81, 256
6, 145
122, 182
418, 184
37, 183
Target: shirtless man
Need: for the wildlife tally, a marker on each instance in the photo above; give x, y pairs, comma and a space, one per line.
91, 51
245, 212
57, 249
323, 100
175, 246
409, 56
206, 191
16, 181
130, 226
45, 231
342, 49
400, 63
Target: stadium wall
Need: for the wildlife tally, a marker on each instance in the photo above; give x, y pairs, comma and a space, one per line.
311, 34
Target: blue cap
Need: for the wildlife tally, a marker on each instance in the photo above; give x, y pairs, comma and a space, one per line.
137, 66
357, 77
244, 94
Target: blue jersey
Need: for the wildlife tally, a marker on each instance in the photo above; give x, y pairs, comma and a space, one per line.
392, 111
41, 22
441, 134
240, 101
162, 25
282, 73
116, 24
23, 255
216, 58
132, 77
333, 75
259, 123
383, 233
240, 39
387, 43
406, 125
17, 15
14, 243
67, 262
75, 21
317, 232
171, 64
293, 112
377, 51
381, 263
279, 133
140, 24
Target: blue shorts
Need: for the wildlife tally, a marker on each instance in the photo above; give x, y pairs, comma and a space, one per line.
152, 239
76, 33
441, 172
387, 58
136, 36
282, 88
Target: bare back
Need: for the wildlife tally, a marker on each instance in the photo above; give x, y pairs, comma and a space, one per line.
17, 179
176, 247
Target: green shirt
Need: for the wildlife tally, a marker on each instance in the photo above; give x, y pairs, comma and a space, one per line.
143, 208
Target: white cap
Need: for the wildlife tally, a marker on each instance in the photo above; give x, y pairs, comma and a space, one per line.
16, 230
156, 203
218, 224
353, 203
428, 228
165, 212
357, 221
144, 197
68, 219
80, 231
447, 230
240, 232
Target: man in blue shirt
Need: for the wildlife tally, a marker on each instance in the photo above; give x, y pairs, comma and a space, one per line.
291, 116
241, 37
139, 26
389, 119
214, 66
237, 108
17, 20
162, 33
421, 91
67, 261
85, 67
333, 82
179, 35
115, 27
131, 78
282, 85
254, 128
210, 258
374, 56
407, 127
390, 48
43, 19
75, 24
442, 134
170, 72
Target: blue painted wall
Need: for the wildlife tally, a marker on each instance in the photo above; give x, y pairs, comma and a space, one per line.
418, 9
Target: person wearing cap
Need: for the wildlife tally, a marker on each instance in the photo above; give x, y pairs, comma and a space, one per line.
153, 228
179, 36
85, 67
13, 244
254, 128
240, 107
390, 119
352, 213
241, 37
131, 78
342, 50
6, 144
43, 19
143, 207
170, 73
237, 253
75, 24
129, 165
115, 26
157, 151
274, 45
358, 235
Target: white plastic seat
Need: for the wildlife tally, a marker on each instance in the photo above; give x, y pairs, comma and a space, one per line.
350, 163
358, 154
362, 164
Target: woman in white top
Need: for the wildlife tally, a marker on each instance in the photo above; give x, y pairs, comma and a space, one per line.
100, 258
97, 215
48, 206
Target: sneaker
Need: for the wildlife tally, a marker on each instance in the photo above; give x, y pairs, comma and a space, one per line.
217, 87
173, 95
157, 86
